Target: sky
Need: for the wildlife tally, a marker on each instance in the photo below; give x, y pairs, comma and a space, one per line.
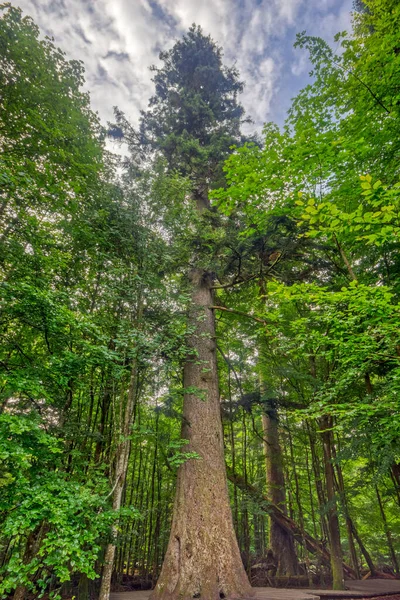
118, 40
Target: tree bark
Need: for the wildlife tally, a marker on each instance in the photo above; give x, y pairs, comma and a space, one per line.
280, 541
202, 558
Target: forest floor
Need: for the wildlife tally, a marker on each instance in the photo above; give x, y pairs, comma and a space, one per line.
373, 589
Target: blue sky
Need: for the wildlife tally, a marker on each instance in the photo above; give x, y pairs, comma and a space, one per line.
119, 39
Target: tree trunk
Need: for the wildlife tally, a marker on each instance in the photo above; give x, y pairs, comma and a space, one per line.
280, 541
396, 472
31, 549
244, 536
333, 519
345, 507
388, 533
395, 475
233, 451
299, 504
83, 587
310, 493
121, 466
363, 550
318, 480
202, 558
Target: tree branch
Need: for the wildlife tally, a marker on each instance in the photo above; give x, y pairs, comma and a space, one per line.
239, 312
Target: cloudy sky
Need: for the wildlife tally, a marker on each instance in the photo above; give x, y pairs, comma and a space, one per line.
119, 39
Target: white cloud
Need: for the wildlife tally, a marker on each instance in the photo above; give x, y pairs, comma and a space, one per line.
119, 39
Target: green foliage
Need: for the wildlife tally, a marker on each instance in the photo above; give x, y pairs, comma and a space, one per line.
51, 140
322, 312
67, 513
194, 117
177, 455
374, 221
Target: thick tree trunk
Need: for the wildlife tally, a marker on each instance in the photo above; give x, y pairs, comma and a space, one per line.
333, 519
280, 541
202, 558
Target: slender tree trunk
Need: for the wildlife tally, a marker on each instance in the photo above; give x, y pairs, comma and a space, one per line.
83, 587
104, 406
318, 480
396, 472
310, 493
121, 466
31, 549
233, 451
245, 533
395, 475
202, 558
349, 523
363, 549
333, 519
299, 507
126, 551
151, 533
387, 532
157, 529
280, 541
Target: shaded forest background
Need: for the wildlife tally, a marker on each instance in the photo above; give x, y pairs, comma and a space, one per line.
300, 233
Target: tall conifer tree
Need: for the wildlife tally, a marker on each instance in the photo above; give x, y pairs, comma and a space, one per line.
193, 119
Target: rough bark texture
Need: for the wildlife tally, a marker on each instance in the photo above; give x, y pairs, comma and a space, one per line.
202, 558
280, 540
333, 519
